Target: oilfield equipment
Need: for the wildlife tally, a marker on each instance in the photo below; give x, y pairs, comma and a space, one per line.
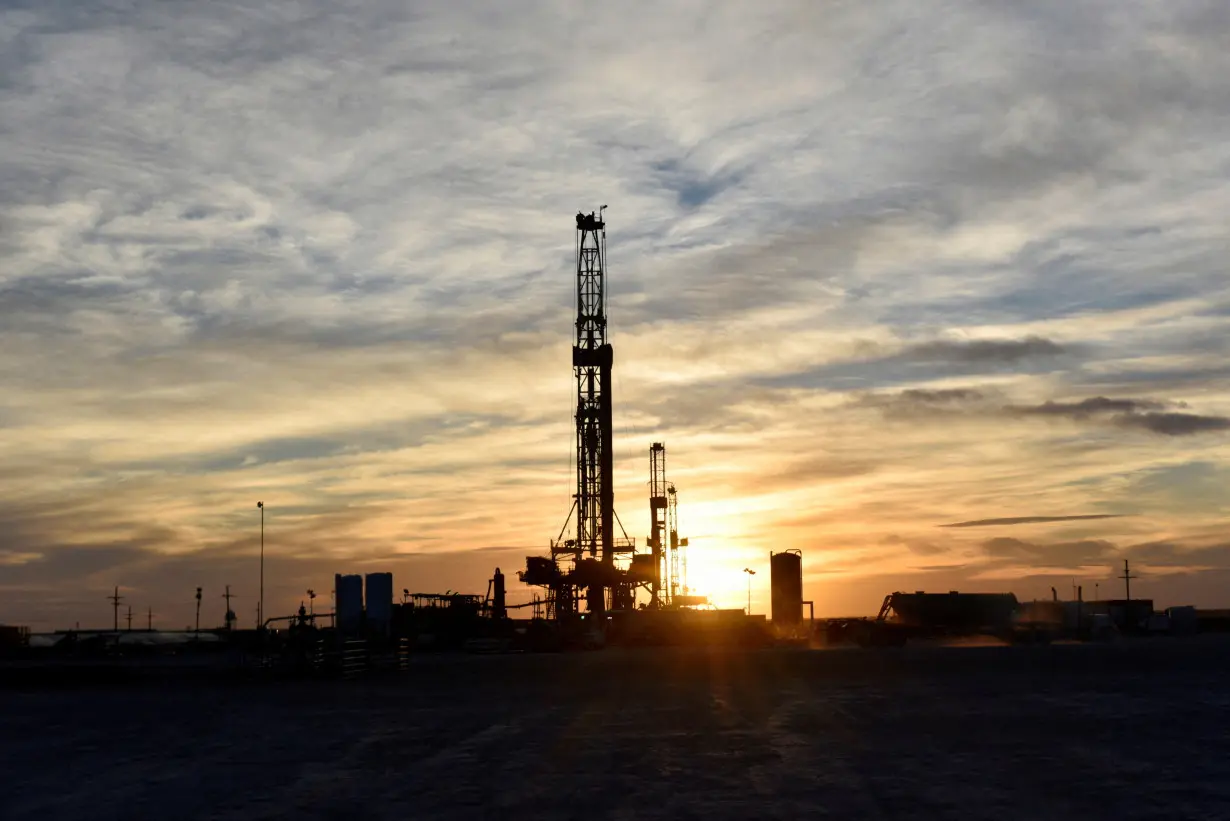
597, 568
594, 586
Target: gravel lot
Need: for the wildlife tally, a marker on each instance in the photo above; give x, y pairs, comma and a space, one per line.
1138, 729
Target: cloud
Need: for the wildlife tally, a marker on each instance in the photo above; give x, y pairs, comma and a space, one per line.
983, 350
1057, 554
917, 402
1174, 424
322, 255
1127, 413
1024, 520
1089, 407
1132, 414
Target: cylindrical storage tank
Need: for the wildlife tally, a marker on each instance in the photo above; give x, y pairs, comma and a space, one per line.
499, 601
786, 587
349, 603
379, 601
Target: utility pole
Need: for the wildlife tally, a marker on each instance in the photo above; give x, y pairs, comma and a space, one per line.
749, 573
130, 618
1127, 581
230, 614
198, 611
115, 598
260, 607
149, 625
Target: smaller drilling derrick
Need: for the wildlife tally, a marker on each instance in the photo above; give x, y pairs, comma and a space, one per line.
672, 519
659, 584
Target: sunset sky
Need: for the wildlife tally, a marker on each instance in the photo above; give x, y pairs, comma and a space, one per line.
874, 269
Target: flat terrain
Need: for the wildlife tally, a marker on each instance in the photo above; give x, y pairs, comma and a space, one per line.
1131, 730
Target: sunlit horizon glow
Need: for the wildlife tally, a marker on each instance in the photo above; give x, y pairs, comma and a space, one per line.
873, 270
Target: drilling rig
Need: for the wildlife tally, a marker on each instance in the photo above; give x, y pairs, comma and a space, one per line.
667, 583
659, 585
585, 565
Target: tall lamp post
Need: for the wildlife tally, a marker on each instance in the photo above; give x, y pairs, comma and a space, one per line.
260, 607
749, 573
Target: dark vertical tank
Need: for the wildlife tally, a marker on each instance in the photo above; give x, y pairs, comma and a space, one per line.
499, 602
378, 601
348, 605
786, 586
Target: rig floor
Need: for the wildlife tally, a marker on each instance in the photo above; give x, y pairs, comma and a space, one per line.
1129, 730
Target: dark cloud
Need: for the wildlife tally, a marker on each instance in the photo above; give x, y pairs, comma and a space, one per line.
1090, 407
983, 350
693, 189
1087, 553
1171, 555
1025, 520
1135, 414
923, 399
1057, 554
1174, 424
1128, 413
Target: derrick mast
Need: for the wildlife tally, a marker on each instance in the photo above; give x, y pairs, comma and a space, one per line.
659, 585
592, 358
584, 566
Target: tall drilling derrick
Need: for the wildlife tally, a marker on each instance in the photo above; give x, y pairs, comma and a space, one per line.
587, 563
592, 357
659, 585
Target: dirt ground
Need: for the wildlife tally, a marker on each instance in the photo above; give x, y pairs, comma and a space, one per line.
1125, 731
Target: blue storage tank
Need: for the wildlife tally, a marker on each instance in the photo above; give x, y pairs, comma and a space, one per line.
379, 601
349, 606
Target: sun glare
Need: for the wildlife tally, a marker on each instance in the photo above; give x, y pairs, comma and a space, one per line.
717, 573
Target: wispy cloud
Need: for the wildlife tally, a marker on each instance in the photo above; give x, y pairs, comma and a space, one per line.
1030, 520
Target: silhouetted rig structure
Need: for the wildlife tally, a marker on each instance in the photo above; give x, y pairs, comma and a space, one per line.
597, 566
597, 588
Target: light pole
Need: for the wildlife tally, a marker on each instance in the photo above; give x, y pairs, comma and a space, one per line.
749, 573
312, 602
260, 607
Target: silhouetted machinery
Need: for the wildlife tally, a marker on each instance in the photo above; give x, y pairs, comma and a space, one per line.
589, 567
596, 568
904, 616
